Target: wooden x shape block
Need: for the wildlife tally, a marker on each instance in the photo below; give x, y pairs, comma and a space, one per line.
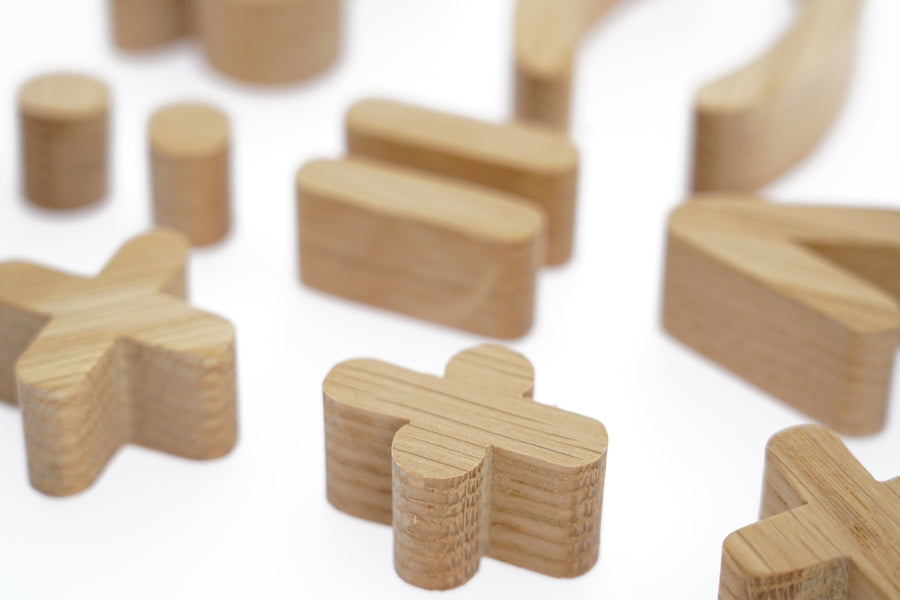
98, 363
464, 466
803, 301
829, 530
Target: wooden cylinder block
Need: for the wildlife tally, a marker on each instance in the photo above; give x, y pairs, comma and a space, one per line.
189, 159
64, 122
145, 24
270, 41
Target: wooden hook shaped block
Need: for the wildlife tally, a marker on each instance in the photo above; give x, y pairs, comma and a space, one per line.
98, 363
526, 161
829, 530
802, 301
754, 124
465, 466
547, 33
64, 122
145, 24
189, 161
448, 252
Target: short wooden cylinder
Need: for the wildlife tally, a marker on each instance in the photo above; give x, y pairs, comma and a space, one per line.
64, 122
270, 41
144, 24
189, 148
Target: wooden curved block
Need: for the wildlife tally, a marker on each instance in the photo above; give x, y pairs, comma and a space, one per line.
802, 301
754, 124
530, 162
547, 33
98, 363
145, 24
829, 530
465, 466
448, 252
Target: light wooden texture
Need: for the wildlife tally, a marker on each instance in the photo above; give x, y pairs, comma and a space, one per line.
146, 24
270, 41
829, 530
527, 161
98, 363
64, 124
448, 252
754, 124
465, 466
547, 34
189, 160
802, 301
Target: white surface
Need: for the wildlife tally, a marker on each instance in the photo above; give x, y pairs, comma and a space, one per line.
686, 438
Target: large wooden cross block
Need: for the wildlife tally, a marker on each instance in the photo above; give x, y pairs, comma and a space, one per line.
98, 363
465, 466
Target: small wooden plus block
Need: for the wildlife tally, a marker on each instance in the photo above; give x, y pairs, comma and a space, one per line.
465, 466
829, 530
98, 363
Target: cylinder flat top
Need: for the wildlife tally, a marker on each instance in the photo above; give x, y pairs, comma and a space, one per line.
63, 96
189, 129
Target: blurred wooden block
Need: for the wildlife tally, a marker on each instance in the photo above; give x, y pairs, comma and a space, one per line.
465, 466
189, 159
757, 122
547, 34
530, 162
99, 363
447, 252
802, 301
64, 124
829, 530
145, 24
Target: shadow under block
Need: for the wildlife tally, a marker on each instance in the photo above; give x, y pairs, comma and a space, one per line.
802, 301
754, 124
452, 253
145, 24
189, 160
547, 34
465, 466
829, 530
531, 162
64, 127
98, 363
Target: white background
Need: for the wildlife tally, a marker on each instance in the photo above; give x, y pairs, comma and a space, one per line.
686, 438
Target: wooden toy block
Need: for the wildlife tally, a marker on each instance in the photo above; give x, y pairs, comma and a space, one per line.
465, 466
64, 124
754, 124
146, 24
802, 301
271, 42
98, 363
189, 158
527, 161
547, 34
433, 248
829, 530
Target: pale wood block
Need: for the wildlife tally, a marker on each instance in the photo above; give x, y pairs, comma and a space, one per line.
465, 466
532, 162
189, 153
433, 248
145, 24
98, 363
64, 126
802, 301
829, 530
757, 122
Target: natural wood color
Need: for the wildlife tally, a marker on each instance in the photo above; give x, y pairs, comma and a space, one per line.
829, 530
64, 122
146, 24
98, 363
465, 466
189, 159
754, 124
802, 301
547, 33
436, 249
532, 162
270, 41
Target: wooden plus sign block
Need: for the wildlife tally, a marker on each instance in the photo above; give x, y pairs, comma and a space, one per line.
829, 530
98, 363
464, 466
